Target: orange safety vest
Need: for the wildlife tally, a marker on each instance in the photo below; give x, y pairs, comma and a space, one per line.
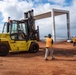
49, 42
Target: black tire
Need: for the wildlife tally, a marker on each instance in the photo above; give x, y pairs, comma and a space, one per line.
4, 50
34, 48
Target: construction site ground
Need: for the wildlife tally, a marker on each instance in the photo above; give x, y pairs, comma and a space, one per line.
25, 63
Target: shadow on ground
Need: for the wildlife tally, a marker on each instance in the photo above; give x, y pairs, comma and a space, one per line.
41, 53
26, 54
65, 52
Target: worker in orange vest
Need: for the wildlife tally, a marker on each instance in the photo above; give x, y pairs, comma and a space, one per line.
49, 43
74, 40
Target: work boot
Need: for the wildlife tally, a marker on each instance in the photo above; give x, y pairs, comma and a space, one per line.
46, 59
53, 58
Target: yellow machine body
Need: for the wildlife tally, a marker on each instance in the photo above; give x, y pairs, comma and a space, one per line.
15, 46
74, 39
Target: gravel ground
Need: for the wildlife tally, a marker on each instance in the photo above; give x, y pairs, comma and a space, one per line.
34, 63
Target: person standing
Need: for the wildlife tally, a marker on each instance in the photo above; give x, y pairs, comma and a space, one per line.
8, 25
74, 40
49, 43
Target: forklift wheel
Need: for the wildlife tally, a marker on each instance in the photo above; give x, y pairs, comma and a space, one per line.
3, 50
34, 48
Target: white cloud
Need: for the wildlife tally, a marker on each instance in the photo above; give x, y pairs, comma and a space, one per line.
60, 20
61, 2
42, 8
10, 1
16, 9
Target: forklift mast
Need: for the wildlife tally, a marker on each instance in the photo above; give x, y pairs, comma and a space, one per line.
32, 32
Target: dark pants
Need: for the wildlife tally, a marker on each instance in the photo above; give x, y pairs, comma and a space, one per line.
74, 43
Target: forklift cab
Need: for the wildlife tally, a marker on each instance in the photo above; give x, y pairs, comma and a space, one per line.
16, 29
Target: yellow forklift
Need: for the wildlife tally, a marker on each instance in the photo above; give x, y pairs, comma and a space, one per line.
19, 35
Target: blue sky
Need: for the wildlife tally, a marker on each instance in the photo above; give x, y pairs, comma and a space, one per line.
53, 2
16, 8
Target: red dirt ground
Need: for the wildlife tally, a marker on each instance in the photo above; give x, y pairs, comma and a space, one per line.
34, 64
